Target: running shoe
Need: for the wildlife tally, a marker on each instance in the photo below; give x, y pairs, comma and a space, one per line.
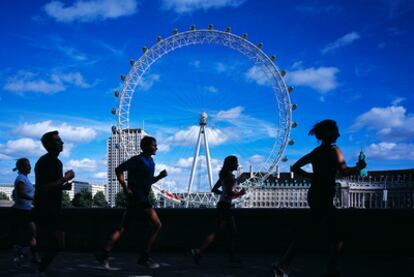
102, 258
196, 256
279, 271
146, 261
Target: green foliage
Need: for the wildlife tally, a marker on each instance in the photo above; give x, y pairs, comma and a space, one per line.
83, 199
151, 197
3, 196
99, 200
121, 200
66, 200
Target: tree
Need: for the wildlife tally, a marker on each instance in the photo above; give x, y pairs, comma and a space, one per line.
151, 197
121, 200
99, 200
3, 196
66, 200
82, 199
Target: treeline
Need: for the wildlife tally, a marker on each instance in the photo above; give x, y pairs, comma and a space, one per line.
84, 199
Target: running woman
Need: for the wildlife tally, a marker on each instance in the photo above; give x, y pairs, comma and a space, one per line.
225, 219
326, 161
22, 216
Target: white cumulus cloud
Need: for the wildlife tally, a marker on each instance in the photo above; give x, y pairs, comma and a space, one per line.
341, 42
188, 6
23, 147
25, 81
390, 123
257, 74
67, 132
189, 136
390, 151
84, 165
90, 10
322, 79
230, 114
100, 175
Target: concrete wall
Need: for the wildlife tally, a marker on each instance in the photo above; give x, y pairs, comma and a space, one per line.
260, 230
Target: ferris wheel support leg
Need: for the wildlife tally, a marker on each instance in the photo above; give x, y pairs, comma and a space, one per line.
208, 160
193, 168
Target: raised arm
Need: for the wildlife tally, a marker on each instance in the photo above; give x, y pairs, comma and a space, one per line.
162, 174
216, 187
344, 169
297, 167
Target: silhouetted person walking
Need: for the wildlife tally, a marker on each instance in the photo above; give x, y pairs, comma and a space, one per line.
140, 171
50, 182
326, 161
225, 219
23, 230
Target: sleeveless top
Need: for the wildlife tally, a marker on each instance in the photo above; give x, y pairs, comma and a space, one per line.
225, 197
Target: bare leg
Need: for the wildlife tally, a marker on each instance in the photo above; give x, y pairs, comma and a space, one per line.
156, 227
211, 237
116, 235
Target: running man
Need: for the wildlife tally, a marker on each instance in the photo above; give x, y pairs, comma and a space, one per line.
140, 170
50, 182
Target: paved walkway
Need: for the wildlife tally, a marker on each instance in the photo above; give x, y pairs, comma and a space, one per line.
212, 264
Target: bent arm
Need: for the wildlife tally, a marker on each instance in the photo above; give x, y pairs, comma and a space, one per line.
21, 193
344, 170
120, 177
216, 187
297, 167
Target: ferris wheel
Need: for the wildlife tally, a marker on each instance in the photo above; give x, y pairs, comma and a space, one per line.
253, 52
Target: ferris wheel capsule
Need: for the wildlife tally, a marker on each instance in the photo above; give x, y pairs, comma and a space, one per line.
131, 62
193, 27
210, 27
113, 128
228, 30
260, 45
144, 49
159, 38
175, 31
285, 159
113, 111
283, 73
273, 58
123, 77
116, 93
290, 89
294, 125
294, 107
244, 36
291, 142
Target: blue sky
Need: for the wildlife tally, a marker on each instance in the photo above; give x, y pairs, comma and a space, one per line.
348, 60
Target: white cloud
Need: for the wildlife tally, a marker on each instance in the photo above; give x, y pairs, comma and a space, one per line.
211, 89
322, 79
390, 151
100, 175
397, 101
25, 81
23, 147
341, 42
257, 74
84, 165
148, 82
170, 169
221, 67
188, 6
391, 123
230, 114
92, 10
195, 64
67, 132
189, 136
